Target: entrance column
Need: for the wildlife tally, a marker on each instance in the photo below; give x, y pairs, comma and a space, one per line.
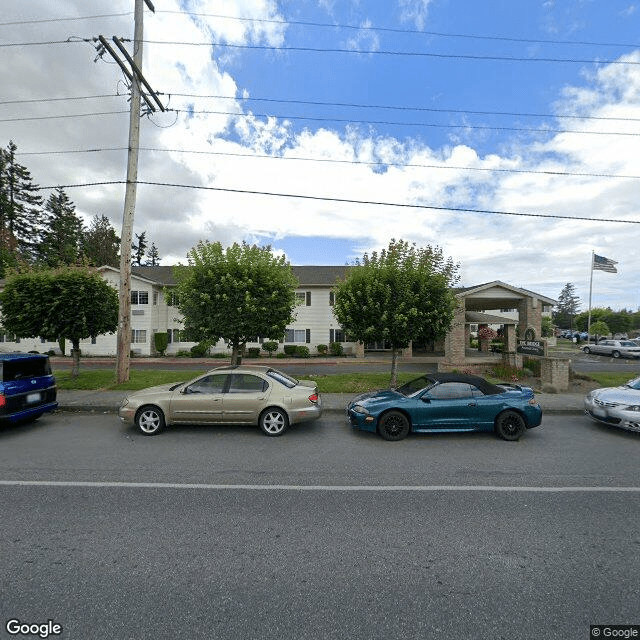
454, 343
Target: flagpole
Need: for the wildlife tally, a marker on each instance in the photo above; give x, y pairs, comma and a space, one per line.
590, 290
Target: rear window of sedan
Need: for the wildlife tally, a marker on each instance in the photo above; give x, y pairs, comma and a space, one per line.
282, 378
628, 343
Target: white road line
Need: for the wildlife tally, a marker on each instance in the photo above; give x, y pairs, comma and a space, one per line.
326, 488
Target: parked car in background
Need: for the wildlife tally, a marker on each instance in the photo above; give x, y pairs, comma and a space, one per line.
230, 395
614, 348
446, 402
616, 406
27, 387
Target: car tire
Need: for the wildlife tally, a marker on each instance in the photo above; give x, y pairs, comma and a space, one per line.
150, 420
510, 425
274, 422
393, 426
616, 354
587, 350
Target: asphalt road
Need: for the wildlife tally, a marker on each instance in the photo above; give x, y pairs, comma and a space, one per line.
221, 532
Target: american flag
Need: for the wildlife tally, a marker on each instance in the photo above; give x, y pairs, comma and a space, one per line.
604, 264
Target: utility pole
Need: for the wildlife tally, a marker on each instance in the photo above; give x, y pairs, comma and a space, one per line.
124, 317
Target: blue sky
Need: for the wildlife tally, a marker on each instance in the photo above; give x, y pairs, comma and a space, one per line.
270, 114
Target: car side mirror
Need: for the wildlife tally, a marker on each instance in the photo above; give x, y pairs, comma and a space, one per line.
426, 398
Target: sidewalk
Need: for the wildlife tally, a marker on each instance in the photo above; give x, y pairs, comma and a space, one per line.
109, 401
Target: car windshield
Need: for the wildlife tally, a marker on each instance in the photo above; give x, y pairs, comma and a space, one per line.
282, 378
628, 343
415, 386
633, 384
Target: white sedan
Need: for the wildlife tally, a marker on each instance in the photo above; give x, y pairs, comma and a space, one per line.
615, 348
616, 406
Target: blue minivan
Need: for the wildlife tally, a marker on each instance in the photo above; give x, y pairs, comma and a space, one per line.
27, 387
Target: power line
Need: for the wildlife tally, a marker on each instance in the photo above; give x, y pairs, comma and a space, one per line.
42, 21
346, 201
420, 54
378, 163
430, 125
356, 105
408, 31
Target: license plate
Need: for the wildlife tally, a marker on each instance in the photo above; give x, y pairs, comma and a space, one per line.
33, 397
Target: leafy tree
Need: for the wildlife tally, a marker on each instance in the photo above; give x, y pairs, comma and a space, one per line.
600, 329
617, 321
235, 294
62, 234
547, 327
139, 249
153, 256
69, 302
20, 206
100, 242
402, 294
568, 306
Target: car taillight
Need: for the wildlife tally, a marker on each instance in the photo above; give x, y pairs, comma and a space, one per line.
313, 398
3, 400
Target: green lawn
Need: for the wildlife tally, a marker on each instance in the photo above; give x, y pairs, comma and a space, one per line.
104, 379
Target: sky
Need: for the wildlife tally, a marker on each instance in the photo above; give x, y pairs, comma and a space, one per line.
505, 133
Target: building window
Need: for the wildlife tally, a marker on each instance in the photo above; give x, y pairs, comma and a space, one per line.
172, 299
173, 335
297, 335
155, 297
138, 336
336, 335
303, 298
139, 297
332, 298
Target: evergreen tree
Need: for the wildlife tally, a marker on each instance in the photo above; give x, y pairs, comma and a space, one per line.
153, 257
20, 207
567, 308
63, 232
100, 243
139, 249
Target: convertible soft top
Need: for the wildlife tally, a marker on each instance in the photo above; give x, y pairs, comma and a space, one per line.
486, 387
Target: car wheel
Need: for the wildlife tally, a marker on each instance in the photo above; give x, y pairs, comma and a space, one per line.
616, 354
394, 425
150, 420
274, 422
510, 425
587, 350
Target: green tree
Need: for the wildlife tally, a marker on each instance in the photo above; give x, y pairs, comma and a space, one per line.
153, 256
547, 327
235, 294
62, 235
20, 208
567, 308
600, 329
403, 293
139, 249
69, 302
100, 243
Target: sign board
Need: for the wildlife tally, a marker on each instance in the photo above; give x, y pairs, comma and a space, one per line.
532, 347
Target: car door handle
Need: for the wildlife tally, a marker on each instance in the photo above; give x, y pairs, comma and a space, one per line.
472, 404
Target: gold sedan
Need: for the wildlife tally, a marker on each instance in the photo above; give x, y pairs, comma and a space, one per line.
231, 395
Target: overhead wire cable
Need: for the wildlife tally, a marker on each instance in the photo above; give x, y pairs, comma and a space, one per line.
344, 200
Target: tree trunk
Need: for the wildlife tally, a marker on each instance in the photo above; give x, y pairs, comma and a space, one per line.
236, 354
75, 357
394, 368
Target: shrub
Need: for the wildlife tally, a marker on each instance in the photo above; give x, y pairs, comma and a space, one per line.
161, 342
281, 355
533, 364
183, 353
220, 355
336, 349
199, 350
270, 347
51, 352
322, 349
302, 351
290, 349
253, 352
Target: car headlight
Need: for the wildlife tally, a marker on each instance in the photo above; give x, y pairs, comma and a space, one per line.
359, 409
633, 407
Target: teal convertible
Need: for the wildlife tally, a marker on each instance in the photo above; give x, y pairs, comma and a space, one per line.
446, 402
